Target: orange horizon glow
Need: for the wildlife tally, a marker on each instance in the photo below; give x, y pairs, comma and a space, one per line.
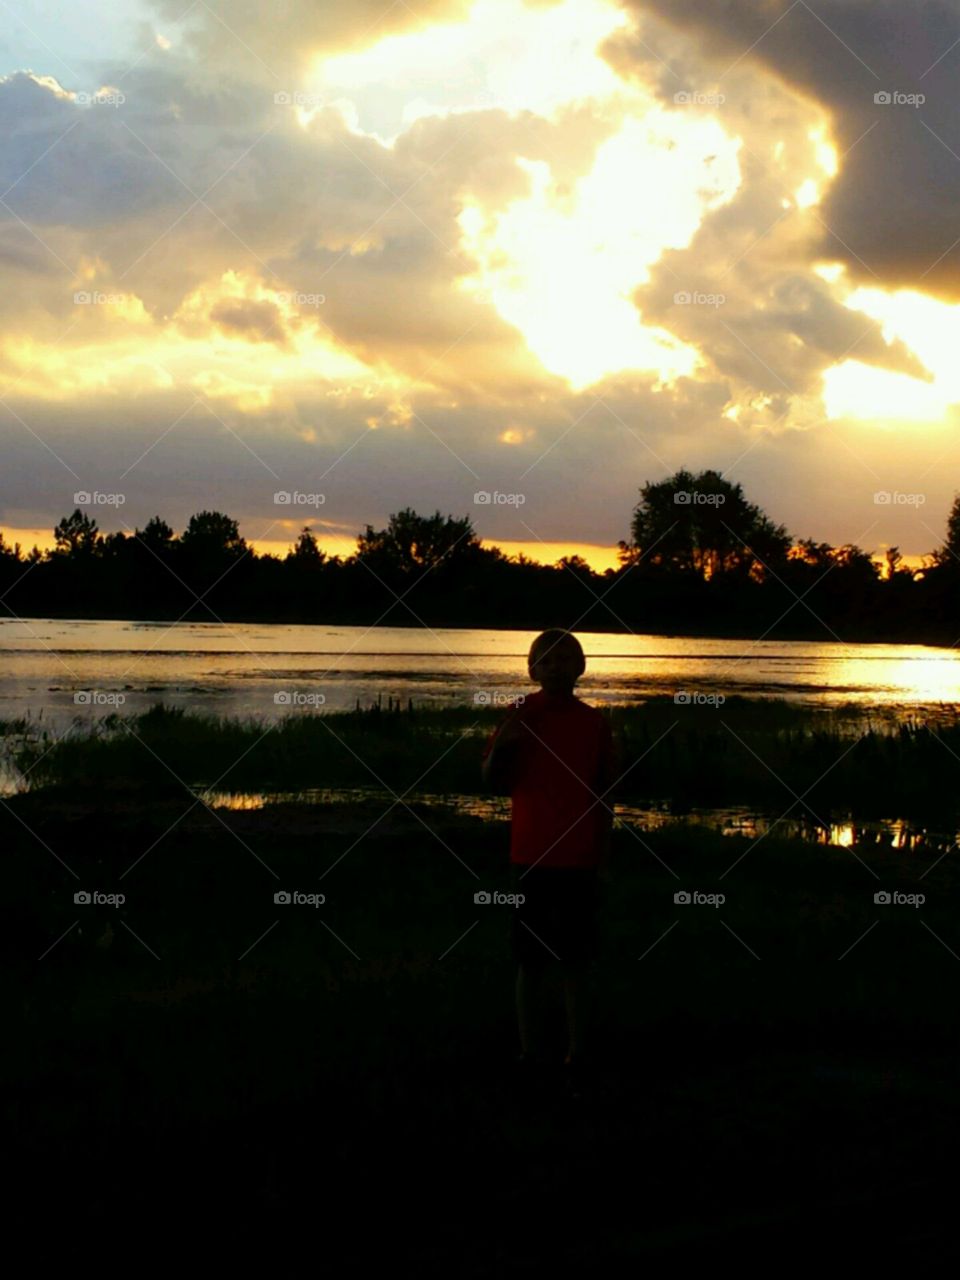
598, 555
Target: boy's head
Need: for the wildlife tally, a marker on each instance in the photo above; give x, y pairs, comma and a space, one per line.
556, 661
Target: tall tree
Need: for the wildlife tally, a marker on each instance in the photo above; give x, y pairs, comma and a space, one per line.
949, 554
156, 534
413, 543
215, 535
702, 526
306, 551
77, 536
209, 553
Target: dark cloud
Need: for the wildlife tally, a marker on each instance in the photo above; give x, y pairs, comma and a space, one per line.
891, 213
255, 321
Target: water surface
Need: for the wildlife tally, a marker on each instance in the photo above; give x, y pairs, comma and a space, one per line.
56, 670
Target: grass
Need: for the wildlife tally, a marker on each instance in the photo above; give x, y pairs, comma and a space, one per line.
282, 1070
753, 752
298, 1066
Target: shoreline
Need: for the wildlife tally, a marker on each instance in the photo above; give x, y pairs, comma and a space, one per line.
944, 638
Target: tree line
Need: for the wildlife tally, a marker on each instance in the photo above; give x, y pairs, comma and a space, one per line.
700, 559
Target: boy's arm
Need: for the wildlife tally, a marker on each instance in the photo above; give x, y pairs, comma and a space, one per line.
500, 758
607, 776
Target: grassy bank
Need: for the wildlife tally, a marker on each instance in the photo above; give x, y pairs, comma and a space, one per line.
769, 1064
758, 752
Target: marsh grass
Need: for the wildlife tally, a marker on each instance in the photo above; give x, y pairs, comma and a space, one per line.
747, 751
265, 1058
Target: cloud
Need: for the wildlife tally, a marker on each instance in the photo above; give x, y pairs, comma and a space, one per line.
241, 37
890, 215
255, 321
290, 295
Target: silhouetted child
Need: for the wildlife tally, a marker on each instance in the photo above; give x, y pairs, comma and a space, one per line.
554, 755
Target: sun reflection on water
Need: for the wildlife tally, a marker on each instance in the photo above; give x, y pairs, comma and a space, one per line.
892, 833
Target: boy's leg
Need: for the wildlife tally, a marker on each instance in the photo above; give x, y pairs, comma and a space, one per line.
530, 992
580, 950
530, 923
577, 998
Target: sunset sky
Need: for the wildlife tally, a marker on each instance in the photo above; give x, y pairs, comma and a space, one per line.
397, 254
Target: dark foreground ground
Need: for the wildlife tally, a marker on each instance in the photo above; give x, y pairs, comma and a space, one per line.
777, 1077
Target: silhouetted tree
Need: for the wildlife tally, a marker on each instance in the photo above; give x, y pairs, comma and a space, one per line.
697, 567
209, 552
306, 551
702, 526
8, 553
214, 535
77, 535
947, 557
411, 543
156, 534
575, 564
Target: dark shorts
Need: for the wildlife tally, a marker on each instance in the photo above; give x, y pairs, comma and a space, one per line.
559, 918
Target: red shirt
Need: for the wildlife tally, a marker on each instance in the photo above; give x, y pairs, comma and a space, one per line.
562, 765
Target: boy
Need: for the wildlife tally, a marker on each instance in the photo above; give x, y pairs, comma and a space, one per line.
554, 755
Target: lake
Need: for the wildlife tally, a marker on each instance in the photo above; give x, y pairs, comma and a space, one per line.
58, 669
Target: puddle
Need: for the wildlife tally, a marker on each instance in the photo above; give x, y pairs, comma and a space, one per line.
891, 833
